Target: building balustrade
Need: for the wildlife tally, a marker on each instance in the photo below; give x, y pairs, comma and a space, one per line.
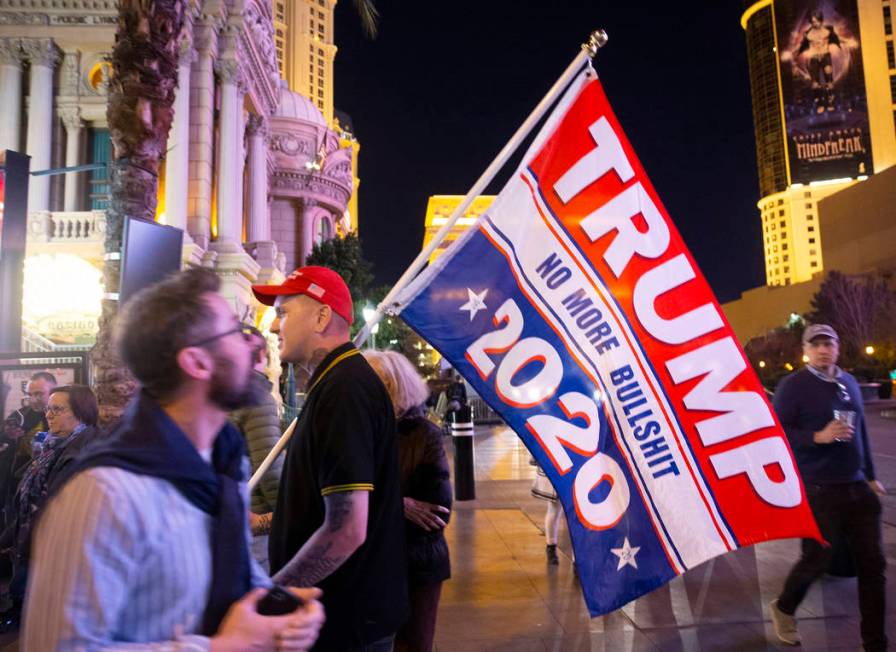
34, 342
67, 226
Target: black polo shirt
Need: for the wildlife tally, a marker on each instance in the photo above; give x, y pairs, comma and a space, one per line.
345, 441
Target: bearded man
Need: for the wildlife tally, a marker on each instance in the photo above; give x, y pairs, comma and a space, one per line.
146, 539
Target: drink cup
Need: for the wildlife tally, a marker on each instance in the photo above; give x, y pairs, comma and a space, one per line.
846, 416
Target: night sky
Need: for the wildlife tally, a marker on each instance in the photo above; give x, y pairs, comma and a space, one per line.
443, 87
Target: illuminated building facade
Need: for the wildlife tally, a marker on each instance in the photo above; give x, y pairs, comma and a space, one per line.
859, 242
824, 110
304, 38
214, 180
303, 33
440, 207
311, 179
254, 174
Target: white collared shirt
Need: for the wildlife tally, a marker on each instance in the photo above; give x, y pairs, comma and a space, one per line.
120, 561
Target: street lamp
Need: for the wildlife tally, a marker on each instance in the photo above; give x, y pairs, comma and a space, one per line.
368, 313
869, 350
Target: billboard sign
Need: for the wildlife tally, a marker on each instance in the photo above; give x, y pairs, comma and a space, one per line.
823, 89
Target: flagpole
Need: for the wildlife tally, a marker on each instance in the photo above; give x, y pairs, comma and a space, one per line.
596, 40
275, 451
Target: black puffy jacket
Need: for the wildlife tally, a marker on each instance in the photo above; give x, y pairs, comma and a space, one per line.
424, 476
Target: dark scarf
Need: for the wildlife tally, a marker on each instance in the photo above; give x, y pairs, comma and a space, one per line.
148, 442
35, 483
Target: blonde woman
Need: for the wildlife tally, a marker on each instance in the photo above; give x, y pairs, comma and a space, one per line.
426, 488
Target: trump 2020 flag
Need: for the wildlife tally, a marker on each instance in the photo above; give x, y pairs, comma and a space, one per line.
576, 311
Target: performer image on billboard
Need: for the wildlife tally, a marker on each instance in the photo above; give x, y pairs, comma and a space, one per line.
818, 40
823, 89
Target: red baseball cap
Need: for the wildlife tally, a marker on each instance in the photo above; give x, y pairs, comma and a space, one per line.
320, 283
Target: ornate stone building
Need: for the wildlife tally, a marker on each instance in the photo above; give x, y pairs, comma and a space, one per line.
306, 49
311, 181
253, 175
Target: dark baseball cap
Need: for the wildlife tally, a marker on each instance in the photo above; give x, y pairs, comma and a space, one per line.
320, 283
819, 330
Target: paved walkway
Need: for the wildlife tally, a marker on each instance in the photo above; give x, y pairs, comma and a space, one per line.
503, 596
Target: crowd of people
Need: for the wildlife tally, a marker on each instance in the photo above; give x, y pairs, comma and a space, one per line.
146, 536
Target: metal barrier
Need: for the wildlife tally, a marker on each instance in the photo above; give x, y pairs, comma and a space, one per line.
482, 413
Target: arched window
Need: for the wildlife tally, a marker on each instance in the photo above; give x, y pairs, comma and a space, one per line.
323, 229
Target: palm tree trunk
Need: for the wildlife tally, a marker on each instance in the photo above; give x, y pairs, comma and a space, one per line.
140, 111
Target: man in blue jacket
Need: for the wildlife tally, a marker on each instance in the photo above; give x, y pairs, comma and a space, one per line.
820, 408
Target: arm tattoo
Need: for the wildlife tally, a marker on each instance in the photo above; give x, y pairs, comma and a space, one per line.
338, 509
310, 568
317, 559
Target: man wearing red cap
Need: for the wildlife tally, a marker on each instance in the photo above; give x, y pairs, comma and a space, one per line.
338, 523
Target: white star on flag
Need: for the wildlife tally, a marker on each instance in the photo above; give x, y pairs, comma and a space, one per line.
626, 555
476, 302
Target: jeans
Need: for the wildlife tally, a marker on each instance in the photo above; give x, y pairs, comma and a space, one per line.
853, 511
382, 645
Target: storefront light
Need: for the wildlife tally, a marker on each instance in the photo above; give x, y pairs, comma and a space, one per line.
62, 297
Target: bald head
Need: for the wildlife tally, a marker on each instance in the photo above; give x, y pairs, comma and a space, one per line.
305, 327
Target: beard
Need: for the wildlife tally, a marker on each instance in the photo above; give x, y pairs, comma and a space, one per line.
230, 392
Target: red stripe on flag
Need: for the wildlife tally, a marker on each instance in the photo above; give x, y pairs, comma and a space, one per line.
647, 375
674, 564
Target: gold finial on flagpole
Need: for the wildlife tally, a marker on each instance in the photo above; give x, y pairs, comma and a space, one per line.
596, 41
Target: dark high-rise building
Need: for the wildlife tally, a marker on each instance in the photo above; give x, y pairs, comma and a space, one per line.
823, 83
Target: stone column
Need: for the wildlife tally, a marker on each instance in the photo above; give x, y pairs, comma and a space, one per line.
177, 162
74, 128
259, 219
230, 158
11, 57
260, 245
43, 56
236, 268
202, 129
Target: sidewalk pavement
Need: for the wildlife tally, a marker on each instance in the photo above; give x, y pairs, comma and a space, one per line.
503, 596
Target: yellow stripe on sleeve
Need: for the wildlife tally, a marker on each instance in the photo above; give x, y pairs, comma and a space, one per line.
341, 488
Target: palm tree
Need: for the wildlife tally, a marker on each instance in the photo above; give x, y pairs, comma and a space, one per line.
368, 14
140, 111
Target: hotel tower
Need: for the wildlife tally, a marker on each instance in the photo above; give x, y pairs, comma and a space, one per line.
823, 84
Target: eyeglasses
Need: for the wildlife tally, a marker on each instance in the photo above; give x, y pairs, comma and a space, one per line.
247, 331
56, 410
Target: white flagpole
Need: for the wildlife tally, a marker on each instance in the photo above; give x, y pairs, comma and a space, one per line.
596, 41
275, 451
